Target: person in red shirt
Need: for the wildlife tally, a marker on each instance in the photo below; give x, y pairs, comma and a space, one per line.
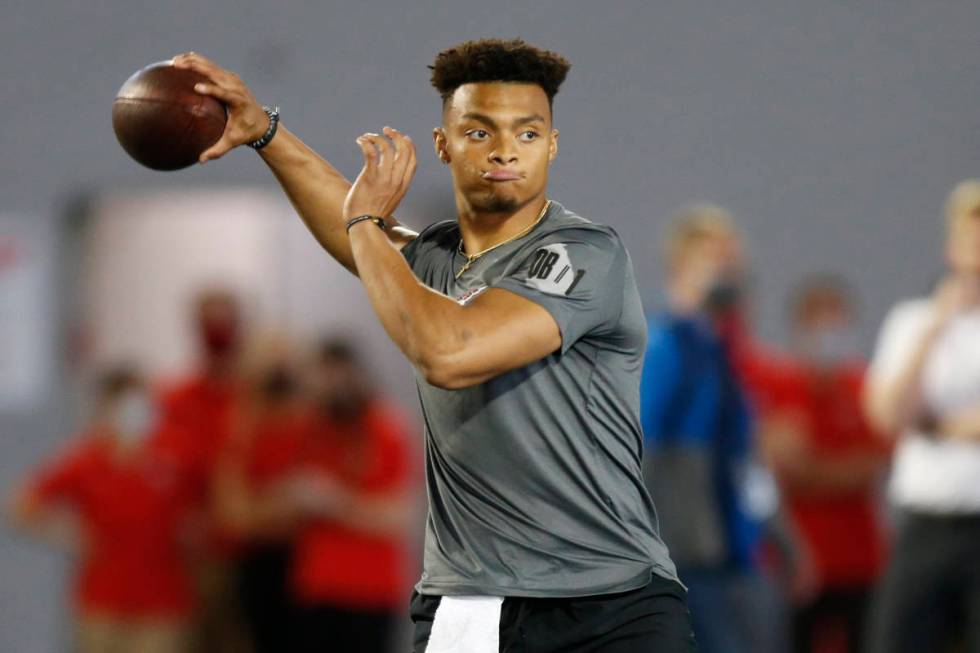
198, 410
350, 573
251, 490
200, 405
130, 508
829, 464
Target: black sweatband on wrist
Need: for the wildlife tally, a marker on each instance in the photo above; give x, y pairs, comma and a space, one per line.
270, 132
364, 218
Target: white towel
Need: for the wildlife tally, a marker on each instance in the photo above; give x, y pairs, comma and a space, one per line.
466, 624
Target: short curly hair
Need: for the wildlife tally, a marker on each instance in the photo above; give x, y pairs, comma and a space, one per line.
498, 60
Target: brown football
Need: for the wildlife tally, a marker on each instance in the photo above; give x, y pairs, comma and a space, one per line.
161, 121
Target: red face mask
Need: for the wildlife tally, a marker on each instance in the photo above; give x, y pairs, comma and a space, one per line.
219, 338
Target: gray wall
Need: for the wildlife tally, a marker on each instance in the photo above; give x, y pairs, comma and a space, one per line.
832, 130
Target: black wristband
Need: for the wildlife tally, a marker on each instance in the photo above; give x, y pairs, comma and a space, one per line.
364, 218
270, 132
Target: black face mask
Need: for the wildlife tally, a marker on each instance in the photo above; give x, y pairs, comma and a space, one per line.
345, 408
723, 295
277, 383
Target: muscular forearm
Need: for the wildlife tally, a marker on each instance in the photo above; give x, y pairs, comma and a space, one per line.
425, 325
315, 189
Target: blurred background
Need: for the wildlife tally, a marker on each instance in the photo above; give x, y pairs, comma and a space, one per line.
831, 131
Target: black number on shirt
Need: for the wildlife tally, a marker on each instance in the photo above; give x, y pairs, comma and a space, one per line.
578, 277
543, 264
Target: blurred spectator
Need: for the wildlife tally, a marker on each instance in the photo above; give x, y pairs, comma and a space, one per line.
269, 427
829, 465
130, 506
924, 383
350, 574
199, 409
201, 403
698, 433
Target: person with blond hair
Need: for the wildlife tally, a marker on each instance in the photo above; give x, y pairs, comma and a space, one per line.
698, 428
924, 384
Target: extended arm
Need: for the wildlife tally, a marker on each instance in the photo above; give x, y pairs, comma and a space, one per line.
314, 187
453, 346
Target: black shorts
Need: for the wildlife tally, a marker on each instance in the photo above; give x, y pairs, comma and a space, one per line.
653, 618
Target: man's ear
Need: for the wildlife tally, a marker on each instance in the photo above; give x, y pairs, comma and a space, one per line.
553, 146
439, 141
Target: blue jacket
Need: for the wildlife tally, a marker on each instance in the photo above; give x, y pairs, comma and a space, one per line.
691, 397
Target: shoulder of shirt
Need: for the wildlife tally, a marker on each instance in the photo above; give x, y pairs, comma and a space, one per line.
444, 232
564, 225
909, 310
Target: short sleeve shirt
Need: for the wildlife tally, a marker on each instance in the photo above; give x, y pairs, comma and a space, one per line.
534, 477
132, 565
934, 474
332, 562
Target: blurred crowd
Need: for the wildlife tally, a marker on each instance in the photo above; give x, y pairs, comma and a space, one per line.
262, 503
813, 500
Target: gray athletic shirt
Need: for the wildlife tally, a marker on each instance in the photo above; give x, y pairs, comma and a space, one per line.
534, 477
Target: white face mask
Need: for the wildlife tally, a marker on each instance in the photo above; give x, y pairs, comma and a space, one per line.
828, 346
135, 416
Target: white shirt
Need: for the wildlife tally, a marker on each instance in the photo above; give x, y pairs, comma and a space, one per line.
934, 474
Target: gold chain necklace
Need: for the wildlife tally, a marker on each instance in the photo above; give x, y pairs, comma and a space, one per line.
523, 232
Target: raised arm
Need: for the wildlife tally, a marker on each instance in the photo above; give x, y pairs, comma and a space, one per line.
314, 187
454, 346
894, 402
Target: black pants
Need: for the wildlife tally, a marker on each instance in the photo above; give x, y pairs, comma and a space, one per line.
651, 619
266, 603
323, 628
930, 594
837, 615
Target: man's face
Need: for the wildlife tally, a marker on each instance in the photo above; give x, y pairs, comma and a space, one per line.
498, 141
963, 246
